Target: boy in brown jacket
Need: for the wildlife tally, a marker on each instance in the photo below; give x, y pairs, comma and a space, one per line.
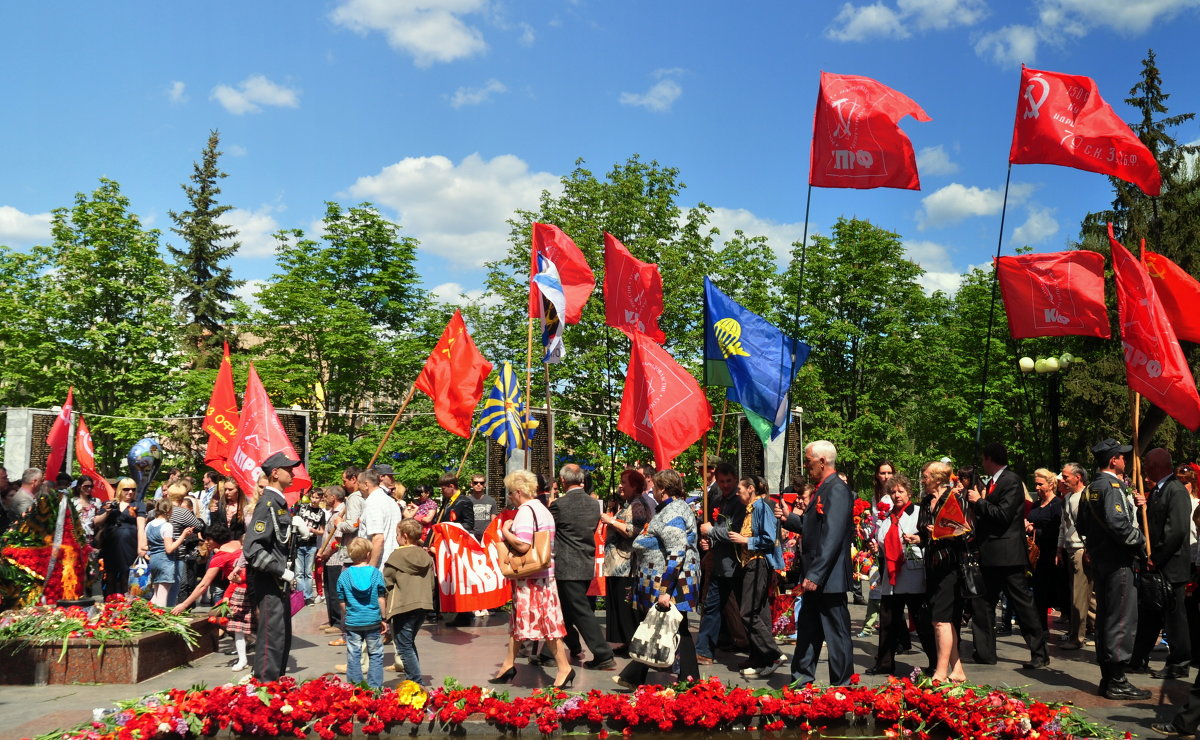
408, 576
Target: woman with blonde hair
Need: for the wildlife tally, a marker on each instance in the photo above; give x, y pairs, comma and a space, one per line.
942, 558
1042, 523
536, 613
124, 523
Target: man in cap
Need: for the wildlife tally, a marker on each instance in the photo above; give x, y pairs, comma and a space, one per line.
387, 477
1114, 544
268, 579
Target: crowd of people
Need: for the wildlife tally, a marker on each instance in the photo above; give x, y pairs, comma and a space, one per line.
749, 570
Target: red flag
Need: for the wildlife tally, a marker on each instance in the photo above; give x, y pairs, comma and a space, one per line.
1055, 294
663, 407
260, 435
60, 433
1179, 293
1154, 363
633, 297
857, 142
1061, 119
453, 377
221, 418
950, 521
85, 455
578, 282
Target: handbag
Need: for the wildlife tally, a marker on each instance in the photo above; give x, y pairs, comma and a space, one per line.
657, 637
1154, 592
970, 576
139, 577
1034, 551
297, 601
535, 559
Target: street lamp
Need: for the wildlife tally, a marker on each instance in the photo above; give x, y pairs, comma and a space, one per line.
1052, 367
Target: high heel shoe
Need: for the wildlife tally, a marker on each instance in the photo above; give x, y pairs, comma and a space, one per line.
505, 677
567, 682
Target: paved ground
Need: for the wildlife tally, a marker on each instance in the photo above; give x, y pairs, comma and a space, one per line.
471, 655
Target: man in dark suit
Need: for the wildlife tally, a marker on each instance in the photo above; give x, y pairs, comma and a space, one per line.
825, 548
1004, 558
1169, 515
576, 515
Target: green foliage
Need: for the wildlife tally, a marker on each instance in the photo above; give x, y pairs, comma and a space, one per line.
204, 284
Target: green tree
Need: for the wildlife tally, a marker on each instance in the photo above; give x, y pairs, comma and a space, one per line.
25, 345
340, 313
205, 285
112, 319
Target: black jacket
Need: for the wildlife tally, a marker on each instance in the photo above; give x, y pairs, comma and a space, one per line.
1169, 513
1106, 524
576, 515
1000, 522
462, 511
825, 541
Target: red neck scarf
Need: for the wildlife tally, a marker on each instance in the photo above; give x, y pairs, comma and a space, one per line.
893, 548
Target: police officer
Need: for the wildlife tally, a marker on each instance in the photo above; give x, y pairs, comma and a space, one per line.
1114, 544
268, 579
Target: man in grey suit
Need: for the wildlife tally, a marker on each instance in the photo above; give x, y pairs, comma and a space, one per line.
576, 515
826, 530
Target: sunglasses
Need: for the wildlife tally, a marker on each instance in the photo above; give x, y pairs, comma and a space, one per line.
126, 489
477, 483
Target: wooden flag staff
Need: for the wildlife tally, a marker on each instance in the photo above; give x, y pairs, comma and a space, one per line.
403, 405
470, 442
1138, 483
529, 390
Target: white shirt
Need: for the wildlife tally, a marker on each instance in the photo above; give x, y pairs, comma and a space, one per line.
380, 515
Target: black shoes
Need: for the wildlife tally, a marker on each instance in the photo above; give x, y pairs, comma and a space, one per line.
1035, 664
1138, 668
1168, 729
570, 681
877, 671
1171, 671
505, 677
1124, 691
600, 665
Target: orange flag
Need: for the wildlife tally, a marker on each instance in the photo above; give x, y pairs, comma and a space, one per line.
60, 433
85, 454
453, 377
951, 521
221, 418
260, 435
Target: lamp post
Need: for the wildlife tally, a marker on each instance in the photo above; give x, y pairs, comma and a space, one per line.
1053, 367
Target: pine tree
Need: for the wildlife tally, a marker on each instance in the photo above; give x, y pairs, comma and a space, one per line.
204, 285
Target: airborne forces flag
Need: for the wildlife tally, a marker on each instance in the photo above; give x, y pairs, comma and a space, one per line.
503, 414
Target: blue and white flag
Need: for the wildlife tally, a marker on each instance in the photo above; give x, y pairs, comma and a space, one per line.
553, 307
503, 415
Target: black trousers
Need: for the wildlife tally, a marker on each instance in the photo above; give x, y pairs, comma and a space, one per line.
578, 615
1151, 621
635, 672
1188, 719
620, 621
1012, 580
823, 619
756, 579
274, 642
333, 605
1116, 622
893, 626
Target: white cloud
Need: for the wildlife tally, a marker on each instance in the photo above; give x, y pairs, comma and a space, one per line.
779, 236
247, 293
19, 228
879, 20
933, 160
255, 229
954, 203
177, 92
458, 211
1009, 46
430, 31
658, 98
476, 95
235, 150
254, 92
527, 35
454, 294
1039, 226
1077, 17
934, 258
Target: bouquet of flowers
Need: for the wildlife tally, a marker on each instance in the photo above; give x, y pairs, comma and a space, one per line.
118, 619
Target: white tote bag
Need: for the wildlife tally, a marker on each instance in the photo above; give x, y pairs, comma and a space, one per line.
657, 638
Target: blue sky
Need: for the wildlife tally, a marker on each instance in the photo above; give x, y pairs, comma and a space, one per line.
451, 114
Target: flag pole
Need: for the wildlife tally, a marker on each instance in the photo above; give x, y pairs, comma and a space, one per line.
612, 432
1138, 483
721, 433
787, 429
704, 439
549, 422
987, 347
403, 405
529, 391
470, 442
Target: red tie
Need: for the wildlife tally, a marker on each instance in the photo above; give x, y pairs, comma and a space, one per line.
991, 486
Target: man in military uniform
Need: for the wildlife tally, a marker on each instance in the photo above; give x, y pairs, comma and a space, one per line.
1114, 544
268, 579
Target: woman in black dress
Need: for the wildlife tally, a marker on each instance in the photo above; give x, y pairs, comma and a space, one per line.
124, 526
942, 558
1043, 522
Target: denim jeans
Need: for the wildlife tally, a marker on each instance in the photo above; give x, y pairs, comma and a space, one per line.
405, 627
180, 567
354, 646
305, 555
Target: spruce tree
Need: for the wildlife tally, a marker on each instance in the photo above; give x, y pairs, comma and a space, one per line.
205, 286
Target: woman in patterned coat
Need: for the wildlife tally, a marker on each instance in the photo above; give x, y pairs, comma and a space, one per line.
668, 571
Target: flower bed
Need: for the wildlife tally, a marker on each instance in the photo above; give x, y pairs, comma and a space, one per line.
328, 707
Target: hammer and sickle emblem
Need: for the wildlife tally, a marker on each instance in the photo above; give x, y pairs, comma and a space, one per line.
1035, 105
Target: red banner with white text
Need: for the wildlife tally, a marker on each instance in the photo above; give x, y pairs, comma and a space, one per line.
468, 572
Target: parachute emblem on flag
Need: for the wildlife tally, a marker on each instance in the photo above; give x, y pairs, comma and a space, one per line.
729, 337
503, 414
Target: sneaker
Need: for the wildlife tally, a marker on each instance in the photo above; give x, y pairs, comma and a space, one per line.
866, 632
339, 668
761, 671
623, 683
1168, 729
319, 600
